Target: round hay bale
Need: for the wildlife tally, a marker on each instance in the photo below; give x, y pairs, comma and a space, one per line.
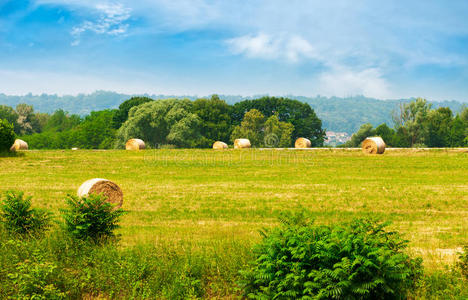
219, 145
97, 186
19, 145
241, 143
74, 148
135, 144
302, 143
373, 145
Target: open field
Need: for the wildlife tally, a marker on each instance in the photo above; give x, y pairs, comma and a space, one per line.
209, 198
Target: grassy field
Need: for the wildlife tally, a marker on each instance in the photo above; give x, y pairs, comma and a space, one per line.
212, 199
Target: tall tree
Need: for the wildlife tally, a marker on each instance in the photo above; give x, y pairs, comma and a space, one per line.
365, 131
301, 115
412, 119
9, 114
215, 119
251, 128
169, 121
27, 120
60, 120
439, 124
386, 133
277, 133
121, 114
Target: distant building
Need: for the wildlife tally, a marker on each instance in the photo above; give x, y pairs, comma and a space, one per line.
336, 138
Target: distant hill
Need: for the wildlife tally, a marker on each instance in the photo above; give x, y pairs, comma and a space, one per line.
337, 114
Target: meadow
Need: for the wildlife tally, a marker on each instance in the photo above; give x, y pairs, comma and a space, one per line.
215, 202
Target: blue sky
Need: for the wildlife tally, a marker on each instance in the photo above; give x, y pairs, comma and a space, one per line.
383, 49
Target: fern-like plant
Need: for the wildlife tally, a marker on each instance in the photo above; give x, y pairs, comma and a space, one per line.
18, 217
356, 260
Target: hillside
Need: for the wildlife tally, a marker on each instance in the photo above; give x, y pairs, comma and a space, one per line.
337, 114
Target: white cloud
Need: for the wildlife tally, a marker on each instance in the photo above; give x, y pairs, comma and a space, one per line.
111, 21
342, 81
284, 47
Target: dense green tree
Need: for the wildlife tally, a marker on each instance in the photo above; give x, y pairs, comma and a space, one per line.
439, 124
412, 118
365, 131
121, 114
9, 114
215, 119
386, 133
42, 120
169, 121
456, 133
27, 120
277, 133
96, 131
60, 120
301, 115
7, 135
250, 128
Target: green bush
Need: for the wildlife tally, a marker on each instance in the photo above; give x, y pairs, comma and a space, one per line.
91, 218
34, 279
463, 263
19, 218
356, 260
7, 135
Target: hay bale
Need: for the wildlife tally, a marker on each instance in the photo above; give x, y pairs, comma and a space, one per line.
19, 145
110, 190
302, 143
373, 145
74, 148
219, 145
241, 143
135, 144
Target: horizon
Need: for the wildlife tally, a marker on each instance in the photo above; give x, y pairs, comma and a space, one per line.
395, 50
253, 96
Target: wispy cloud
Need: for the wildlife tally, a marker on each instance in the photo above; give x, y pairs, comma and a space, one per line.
111, 21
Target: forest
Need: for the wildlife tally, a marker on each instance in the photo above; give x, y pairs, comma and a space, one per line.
417, 124
170, 123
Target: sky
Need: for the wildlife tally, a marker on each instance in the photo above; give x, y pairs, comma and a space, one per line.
382, 49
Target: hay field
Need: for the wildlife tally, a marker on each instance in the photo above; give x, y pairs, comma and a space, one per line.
210, 198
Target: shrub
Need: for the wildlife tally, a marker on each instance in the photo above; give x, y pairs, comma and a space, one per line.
91, 218
35, 279
463, 263
18, 217
7, 135
356, 260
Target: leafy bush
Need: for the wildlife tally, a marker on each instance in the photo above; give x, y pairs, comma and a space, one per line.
7, 135
34, 279
356, 260
91, 218
463, 263
18, 217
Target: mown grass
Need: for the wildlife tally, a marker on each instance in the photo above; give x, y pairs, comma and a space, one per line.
216, 201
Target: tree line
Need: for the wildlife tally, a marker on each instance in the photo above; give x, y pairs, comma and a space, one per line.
417, 124
267, 121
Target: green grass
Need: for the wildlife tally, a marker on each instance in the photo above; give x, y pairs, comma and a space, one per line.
216, 201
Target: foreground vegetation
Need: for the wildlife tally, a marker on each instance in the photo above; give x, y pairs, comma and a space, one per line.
195, 214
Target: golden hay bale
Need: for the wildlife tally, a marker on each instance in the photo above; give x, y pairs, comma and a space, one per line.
19, 145
241, 143
373, 145
302, 143
135, 144
110, 190
219, 145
